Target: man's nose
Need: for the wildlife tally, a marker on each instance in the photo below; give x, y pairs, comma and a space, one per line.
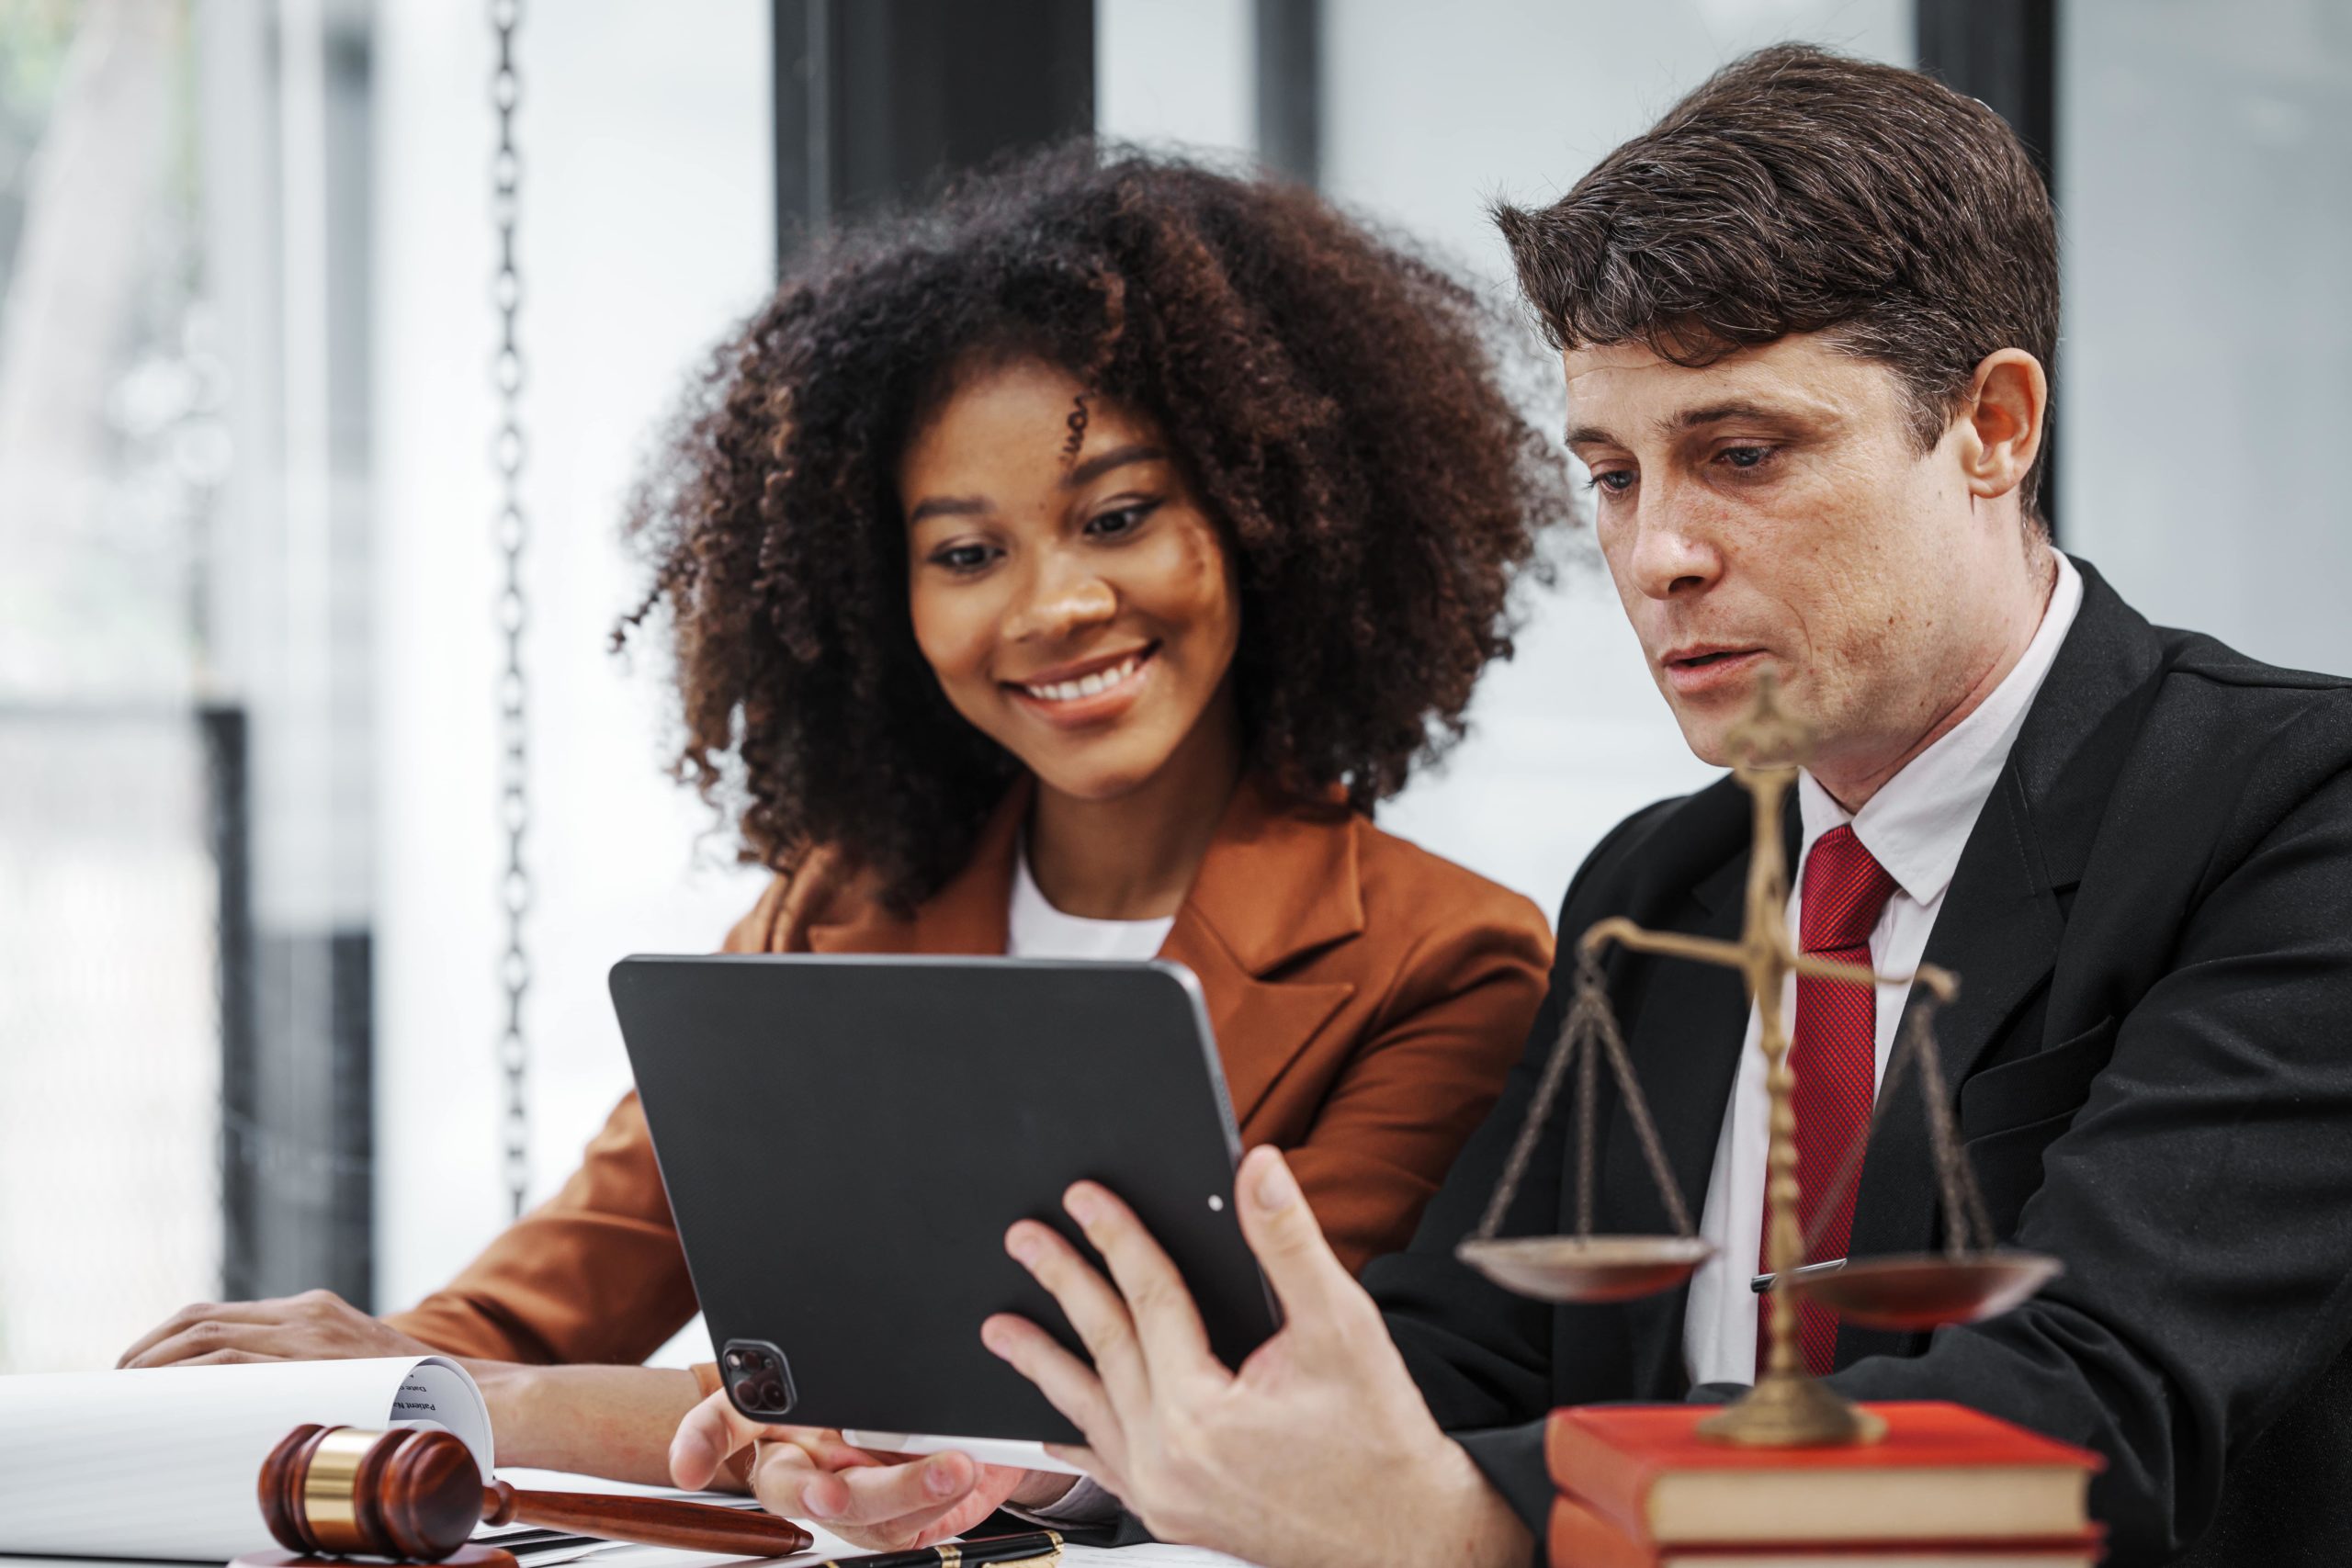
1674, 554
1064, 596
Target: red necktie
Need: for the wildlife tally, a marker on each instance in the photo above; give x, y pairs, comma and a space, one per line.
1835, 1058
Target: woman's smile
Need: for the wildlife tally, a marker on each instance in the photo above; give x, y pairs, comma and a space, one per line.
1087, 692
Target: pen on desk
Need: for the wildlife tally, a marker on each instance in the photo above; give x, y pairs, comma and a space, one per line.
1003, 1550
1763, 1282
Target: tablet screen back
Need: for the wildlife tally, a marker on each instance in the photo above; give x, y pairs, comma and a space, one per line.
844, 1141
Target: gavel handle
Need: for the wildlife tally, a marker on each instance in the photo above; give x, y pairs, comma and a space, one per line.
648, 1521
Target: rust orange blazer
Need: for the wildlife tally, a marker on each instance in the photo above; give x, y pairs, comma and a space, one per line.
1368, 999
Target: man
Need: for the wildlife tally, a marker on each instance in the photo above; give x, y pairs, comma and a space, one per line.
1804, 322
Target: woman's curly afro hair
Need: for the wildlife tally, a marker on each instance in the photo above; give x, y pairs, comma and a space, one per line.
1334, 399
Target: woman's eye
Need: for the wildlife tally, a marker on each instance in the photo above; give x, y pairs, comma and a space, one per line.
964, 557
1120, 521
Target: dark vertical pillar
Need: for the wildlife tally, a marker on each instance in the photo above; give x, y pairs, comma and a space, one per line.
228, 829
296, 1110
2005, 52
1290, 87
877, 101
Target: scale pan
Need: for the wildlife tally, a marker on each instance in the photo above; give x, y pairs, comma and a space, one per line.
1586, 1269
1925, 1290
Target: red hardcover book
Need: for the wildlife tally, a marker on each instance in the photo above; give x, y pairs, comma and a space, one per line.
1943, 1473
1580, 1537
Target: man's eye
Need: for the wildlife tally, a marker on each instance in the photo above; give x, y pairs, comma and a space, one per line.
1746, 458
1123, 520
1616, 481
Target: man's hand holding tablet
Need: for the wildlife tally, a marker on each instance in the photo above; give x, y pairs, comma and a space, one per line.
1319, 1450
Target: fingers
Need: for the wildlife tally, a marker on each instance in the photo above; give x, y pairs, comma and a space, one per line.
712, 1433
825, 1447
891, 1502
1094, 1308
1315, 1289
195, 1312
1099, 1469
1167, 1323
208, 1341
1068, 1383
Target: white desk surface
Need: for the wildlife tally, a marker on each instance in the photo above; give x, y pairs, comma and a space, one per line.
1148, 1555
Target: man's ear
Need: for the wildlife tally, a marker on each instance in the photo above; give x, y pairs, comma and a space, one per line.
2002, 422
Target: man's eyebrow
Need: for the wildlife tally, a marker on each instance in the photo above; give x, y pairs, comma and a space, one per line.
1117, 457
1694, 419
946, 506
1716, 414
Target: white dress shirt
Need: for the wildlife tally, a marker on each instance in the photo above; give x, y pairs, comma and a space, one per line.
1916, 827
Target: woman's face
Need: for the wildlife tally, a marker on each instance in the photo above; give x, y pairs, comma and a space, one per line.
1072, 597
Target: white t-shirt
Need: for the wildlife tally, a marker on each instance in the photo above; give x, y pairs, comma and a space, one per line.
1035, 929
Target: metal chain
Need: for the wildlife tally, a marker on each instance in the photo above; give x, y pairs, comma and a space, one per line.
507, 457
1589, 1032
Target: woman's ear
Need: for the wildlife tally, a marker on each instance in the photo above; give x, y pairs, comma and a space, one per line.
2002, 422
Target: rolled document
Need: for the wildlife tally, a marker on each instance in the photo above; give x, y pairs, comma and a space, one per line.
163, 1464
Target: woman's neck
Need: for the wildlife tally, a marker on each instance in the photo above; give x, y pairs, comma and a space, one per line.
1134, 857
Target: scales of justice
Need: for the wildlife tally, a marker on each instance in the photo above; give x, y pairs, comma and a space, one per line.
1969, 1281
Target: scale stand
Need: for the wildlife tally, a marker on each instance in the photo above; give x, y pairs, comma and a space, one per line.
1970, 1279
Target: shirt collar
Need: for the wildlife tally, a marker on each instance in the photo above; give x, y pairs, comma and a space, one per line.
1918, 822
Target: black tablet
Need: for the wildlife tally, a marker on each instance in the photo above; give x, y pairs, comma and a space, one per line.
844, 1141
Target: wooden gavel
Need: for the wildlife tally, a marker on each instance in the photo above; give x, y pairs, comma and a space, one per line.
416, 1496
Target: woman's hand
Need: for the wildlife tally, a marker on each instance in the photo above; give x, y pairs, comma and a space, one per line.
317, 1325
612, 1421
880, 1502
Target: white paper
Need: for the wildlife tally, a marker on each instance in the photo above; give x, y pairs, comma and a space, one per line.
164, 1462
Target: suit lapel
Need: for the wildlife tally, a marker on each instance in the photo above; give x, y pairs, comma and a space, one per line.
1686, 1047
1683, 1024
1998, 931
2001, 926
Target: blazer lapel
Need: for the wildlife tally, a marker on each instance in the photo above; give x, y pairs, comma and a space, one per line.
1280, 882
1686, 1047
1998, 931
2001, 925
968, 915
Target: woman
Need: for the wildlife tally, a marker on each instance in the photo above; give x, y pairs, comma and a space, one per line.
1065, 571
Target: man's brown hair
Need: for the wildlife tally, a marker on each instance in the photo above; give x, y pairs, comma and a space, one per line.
1794, 191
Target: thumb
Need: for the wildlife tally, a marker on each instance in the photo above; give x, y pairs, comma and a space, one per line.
1307, 1276
712, 1433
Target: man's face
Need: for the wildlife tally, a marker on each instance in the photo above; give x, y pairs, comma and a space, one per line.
1774, 511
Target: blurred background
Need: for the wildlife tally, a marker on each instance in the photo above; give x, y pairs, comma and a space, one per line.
259, 589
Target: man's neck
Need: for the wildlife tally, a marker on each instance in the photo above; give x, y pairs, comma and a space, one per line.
1852, 785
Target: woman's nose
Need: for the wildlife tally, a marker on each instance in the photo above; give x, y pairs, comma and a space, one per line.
1063, 597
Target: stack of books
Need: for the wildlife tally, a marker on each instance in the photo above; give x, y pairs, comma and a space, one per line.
1946, 1488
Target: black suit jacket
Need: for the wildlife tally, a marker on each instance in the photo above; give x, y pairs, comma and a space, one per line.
2151, 1056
